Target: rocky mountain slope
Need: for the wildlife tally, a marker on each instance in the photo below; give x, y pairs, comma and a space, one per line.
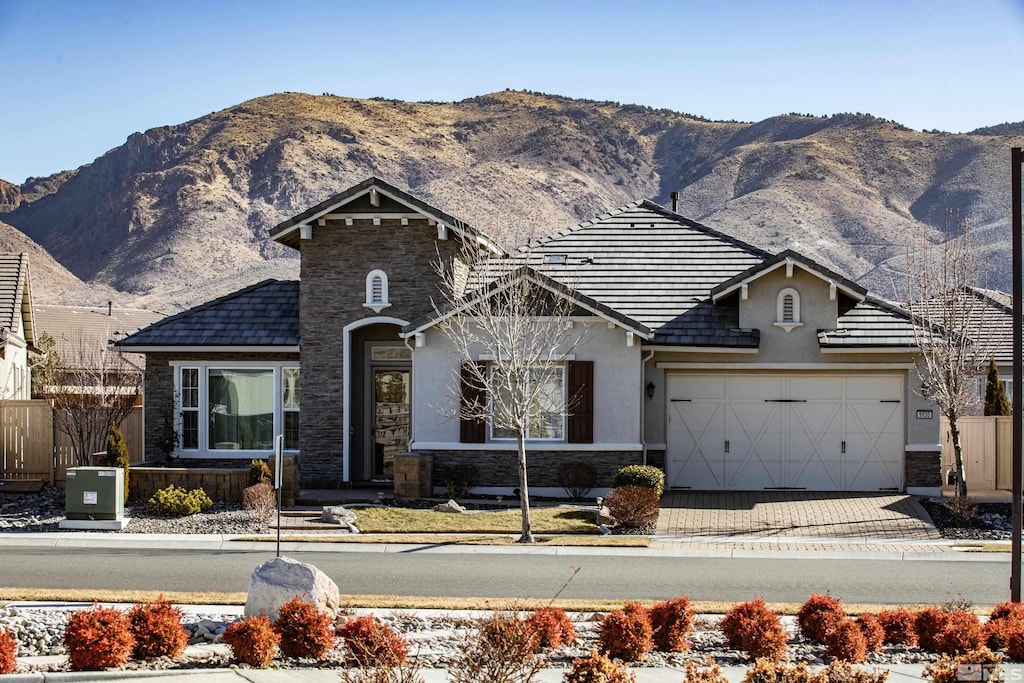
179, 214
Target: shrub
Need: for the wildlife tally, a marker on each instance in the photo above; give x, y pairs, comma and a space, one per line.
671, 623
844, 640
839, 671
98, 638
597, 668
952, 669
1001, 622
648, 476
874, 634
117, 455
175, 501
8, 651
1013, 631
368, 642
260, 501
552, 627
305, 631
157, 629
753, 628
577, 478
900, 626
707, 671
461, 479
818, 615
504, 648
929, 624
253, 640
259, 472
634, 507
1006, 610
626, 633
771, 671
963, 509
961, 633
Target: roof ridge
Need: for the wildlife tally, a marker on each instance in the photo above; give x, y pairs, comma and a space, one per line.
679, 218
216, 302
579, 226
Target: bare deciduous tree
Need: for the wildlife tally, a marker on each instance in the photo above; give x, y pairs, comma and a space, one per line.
947, 312
92, 388
521, 323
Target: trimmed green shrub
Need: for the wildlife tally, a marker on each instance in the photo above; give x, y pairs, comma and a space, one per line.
648, 476
117, 455
175, 501
259, 472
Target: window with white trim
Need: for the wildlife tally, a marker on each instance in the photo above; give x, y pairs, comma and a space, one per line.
546, 396
377, 291
244, 406
787, 309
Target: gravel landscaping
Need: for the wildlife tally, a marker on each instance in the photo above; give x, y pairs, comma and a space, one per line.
992, 523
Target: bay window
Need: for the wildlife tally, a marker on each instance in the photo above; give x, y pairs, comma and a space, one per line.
244, 406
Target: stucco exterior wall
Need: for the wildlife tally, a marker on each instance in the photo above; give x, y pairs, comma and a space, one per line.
618, 388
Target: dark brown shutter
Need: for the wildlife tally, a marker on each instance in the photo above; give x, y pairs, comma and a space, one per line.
581, 401
472, 430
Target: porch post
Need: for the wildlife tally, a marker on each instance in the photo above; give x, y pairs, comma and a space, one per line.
1016, 159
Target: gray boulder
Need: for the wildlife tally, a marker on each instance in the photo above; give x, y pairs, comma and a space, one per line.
277, 581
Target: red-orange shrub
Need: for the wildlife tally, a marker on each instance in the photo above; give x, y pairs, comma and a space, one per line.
1007, 610
874, 634
999, 623
253, 640
671, 622
961, 633
1013, 630
900, 626
818, 615
98, 638
305, 631
929, 624
157, 629
371, 643
552, 627
634, 507
8, 652
753, 628
844, 640
626, 633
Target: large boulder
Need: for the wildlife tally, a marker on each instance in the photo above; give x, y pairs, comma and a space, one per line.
337, 514
277, 581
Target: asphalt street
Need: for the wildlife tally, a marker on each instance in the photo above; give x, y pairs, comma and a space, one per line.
479, 573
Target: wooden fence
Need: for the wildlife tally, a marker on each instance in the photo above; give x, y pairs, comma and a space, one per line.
987, 444
31, 447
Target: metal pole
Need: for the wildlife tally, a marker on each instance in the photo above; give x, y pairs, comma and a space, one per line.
1016, 159
279, 482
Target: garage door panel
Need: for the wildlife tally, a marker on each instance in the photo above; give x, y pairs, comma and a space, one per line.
824, 432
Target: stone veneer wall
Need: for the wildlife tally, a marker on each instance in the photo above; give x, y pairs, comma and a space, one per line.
922, 469
334, 266
159, 392
500, 468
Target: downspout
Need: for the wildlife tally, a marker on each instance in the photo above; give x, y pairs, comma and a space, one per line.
412, 415
643, 405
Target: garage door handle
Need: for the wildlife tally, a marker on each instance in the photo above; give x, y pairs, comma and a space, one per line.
785, 400
681, 400
727, 446
842, 447
889, 400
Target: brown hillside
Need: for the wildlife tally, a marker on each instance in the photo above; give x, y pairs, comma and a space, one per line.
192, 203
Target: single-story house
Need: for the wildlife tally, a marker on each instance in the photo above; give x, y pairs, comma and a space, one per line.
730, 367
17, 327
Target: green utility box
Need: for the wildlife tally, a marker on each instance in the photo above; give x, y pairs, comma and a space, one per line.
94, 493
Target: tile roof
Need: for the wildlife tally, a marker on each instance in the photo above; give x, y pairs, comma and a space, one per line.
16, 314
265, 314
654, 266
872, 323
989, 320
780, 259
71, 325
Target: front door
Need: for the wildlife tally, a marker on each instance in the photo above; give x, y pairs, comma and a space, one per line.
389, 418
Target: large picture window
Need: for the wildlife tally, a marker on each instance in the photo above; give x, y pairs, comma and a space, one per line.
226, 409
546, 399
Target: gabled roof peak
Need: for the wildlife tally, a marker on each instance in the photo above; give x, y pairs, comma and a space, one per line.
787, 259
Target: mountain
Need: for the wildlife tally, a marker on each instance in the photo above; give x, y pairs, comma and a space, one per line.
180, 214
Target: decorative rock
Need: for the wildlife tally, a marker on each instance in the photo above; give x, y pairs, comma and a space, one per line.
277, 581
604, 516
337, 514
450, 506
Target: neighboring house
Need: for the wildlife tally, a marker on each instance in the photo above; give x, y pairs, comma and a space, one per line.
17, 327
81, 334
730, 367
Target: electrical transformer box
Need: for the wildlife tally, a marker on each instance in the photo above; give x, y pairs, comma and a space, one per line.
94, 493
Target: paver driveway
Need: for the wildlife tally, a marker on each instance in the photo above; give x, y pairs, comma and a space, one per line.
771, 514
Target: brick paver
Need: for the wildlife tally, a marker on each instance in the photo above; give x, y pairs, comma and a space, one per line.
788, 514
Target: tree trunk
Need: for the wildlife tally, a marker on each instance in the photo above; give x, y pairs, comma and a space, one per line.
524, 493
958, 458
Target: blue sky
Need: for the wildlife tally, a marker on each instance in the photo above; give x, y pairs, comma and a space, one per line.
80, 76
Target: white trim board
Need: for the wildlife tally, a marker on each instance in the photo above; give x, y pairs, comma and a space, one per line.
782, 367
530, 446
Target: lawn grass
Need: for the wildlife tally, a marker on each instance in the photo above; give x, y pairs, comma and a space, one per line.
543, 520
456, 539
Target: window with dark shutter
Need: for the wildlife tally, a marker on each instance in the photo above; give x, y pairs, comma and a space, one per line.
581, 401
474, 398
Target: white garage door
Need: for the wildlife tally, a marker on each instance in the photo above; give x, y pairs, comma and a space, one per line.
832, 432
